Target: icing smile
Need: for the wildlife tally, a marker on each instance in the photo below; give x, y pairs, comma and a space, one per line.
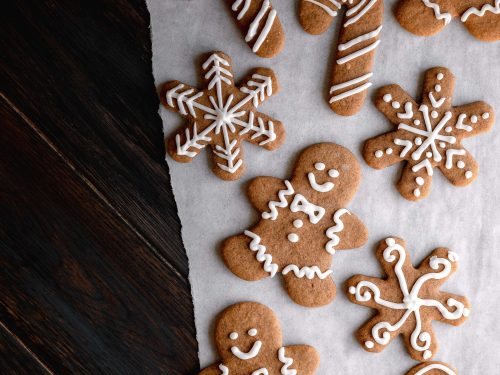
252, 353
324, 188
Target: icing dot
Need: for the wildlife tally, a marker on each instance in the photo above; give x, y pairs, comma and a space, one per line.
418, 141
298, 223
379, 153
333, 173
442, 144
460, 164
387, 98
416, 122
485, 115
466, 312
233, 335
252, 331
390, 241
440, 76
388, 151
428, 154
427, 354
419, 180
434, 114
369, 344
437, 88
352, 290
293, 237
448, 129
319, 166
468, 175
416, 192
454, 258
395, 104
473, 119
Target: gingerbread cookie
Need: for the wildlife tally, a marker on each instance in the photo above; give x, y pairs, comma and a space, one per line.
408, 300
358, 39
223, 115
432, 368
248, 340
303, 221
428, 17
259, 22
428, 135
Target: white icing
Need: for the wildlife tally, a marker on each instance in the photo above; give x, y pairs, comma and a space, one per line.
322, 188
319, 166
252, 353
359, 52
360, 39
369, 344
434, 114
243, 10
449, 156
468, 175
453, 256
442, 144
261, 255
327, 9
265, 31
252, 29
440, 76
407, 146
473, 119
301, 204
418, 141
480, 13
360, 14
282, 203
460, 123
424, 164
416, 122
437, 88
293, 237
448, 129
460, 164
224, 370
395, 105
416, 192
387, 98
379, 153
309, 272
261, 371
428, 154
437, 13
411, 302
388, 151
352, 91
233, 335
287, 362
485, 115
435, 366
436, 103
408, 113
252, 332
331, 232
420, 181
333, 173
298, 223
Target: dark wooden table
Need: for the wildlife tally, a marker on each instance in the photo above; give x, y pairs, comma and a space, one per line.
93, 271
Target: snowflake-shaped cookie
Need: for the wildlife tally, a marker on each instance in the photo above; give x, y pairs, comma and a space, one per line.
358, 39
428, 17
432, 368
223, 115
408, 300
303, 221
248, 340
428, 135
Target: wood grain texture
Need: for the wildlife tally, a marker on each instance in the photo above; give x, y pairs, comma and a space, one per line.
79, 288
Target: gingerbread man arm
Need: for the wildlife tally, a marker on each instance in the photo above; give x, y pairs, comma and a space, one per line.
305, 359
267, 192
316, 16
212, 370
423, 18
353, 235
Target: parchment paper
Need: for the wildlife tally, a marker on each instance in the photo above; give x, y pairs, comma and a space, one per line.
467, 220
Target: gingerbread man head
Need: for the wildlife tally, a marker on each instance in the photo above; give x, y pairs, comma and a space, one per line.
248, 340
303, 221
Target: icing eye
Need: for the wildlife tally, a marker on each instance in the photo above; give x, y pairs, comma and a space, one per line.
233, 335
333, 173
252, 332
319, 166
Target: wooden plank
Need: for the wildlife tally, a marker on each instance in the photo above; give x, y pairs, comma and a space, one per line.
78, 286
15, 358
81, 71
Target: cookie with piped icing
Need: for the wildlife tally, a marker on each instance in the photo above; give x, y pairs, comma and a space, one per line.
428, 17
303, 222
432, 368
248, 341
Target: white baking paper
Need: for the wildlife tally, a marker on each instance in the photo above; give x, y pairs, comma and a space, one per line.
467, 220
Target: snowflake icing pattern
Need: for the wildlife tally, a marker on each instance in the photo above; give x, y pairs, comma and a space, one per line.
428, 135
408, 300
223, 115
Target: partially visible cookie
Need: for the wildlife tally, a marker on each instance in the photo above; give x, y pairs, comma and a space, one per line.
303, 222
428, 17
432, 368
407, 300
428, 134
260, 24
248, 340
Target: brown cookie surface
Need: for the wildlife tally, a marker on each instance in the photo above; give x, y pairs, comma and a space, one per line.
223, 115
407, 300
303, 221
248, 340
432, 368
428, 17
429, 135
358, 39
260, 25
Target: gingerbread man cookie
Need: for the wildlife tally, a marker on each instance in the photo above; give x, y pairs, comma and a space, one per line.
303, 221
358, 39
223, 115
260, 24
428, 135
428, 17
432, 368
248, 340
408, 300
